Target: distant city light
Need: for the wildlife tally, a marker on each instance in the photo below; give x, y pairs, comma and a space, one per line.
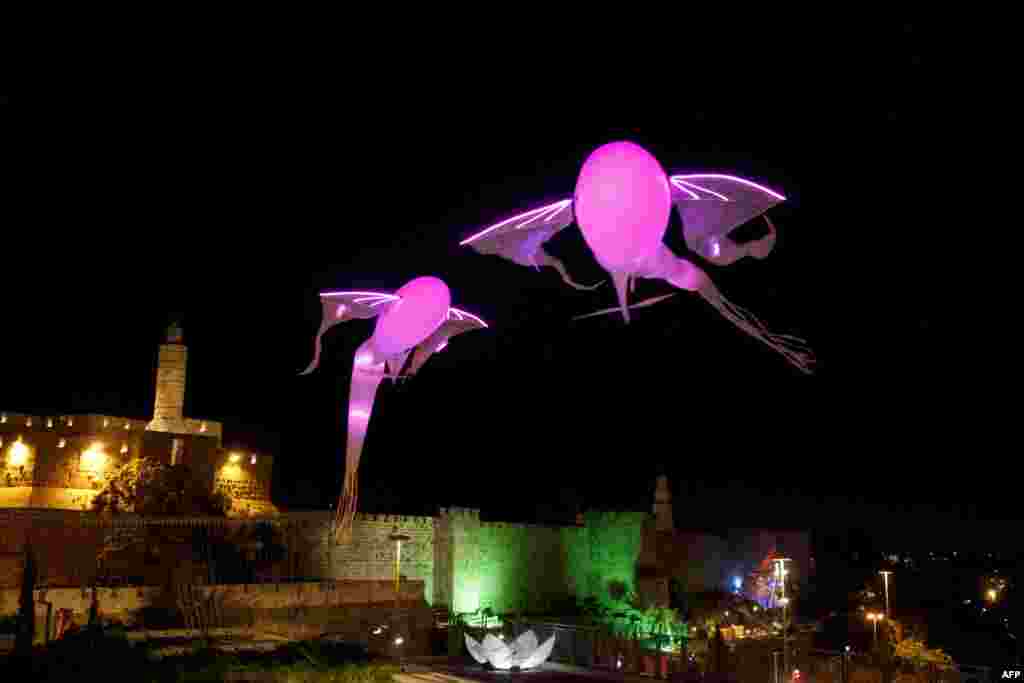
399, 640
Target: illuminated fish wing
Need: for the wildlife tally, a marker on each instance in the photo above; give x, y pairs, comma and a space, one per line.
711, 205
520, 238
341, 306
457, 322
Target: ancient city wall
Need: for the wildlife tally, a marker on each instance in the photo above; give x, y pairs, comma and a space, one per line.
459, 561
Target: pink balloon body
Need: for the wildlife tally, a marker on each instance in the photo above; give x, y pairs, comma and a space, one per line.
421, 308
622, 205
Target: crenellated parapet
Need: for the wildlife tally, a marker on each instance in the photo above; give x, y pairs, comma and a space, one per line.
68, 425
391, 520
455, 513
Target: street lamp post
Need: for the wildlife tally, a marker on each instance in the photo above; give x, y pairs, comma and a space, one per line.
885, 578
398, 538
874, 619
780, 563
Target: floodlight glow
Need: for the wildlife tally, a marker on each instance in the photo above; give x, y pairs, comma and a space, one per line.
94, 459
17, 454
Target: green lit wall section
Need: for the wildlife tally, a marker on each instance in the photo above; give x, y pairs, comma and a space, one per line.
519, 567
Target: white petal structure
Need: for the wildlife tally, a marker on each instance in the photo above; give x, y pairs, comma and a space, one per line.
524, 653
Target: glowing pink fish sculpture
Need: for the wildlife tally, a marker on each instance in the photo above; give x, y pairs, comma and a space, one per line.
412, 324
622, 203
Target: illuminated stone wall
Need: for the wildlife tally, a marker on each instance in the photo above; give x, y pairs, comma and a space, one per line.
531, 567
371, 555
50, 462
170, 388
605, 554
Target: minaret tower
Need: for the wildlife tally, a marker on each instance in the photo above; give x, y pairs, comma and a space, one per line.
169, 407
663, 506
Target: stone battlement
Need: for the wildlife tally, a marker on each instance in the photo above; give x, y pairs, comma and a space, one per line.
92, 424
460, 513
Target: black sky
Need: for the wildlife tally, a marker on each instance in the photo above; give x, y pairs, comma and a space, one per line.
238, 215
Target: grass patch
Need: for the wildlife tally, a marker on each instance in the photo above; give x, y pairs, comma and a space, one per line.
108, 655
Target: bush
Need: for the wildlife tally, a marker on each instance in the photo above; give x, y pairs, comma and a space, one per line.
9, 624
107, 654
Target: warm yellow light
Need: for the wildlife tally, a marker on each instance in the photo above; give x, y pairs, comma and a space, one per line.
49, 423
28, 422
61, 443
17, 454
202, 427
235, 457
992, 594
124, 448
94, 459
106, 423
3, 418
252, 461
783, 601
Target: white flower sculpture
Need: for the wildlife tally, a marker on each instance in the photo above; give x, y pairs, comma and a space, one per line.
524, 653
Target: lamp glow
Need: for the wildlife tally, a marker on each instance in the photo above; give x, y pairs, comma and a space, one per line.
17, 454
235, 457
94, 459
252, 460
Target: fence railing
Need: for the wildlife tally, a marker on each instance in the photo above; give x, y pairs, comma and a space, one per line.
757, 661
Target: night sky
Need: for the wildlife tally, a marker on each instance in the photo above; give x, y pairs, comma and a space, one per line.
237, 217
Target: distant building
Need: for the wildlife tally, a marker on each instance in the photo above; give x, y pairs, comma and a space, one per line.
686, 561
60, 461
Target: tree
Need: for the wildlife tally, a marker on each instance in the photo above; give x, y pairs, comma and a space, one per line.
916, 652
27, 606
147, 486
